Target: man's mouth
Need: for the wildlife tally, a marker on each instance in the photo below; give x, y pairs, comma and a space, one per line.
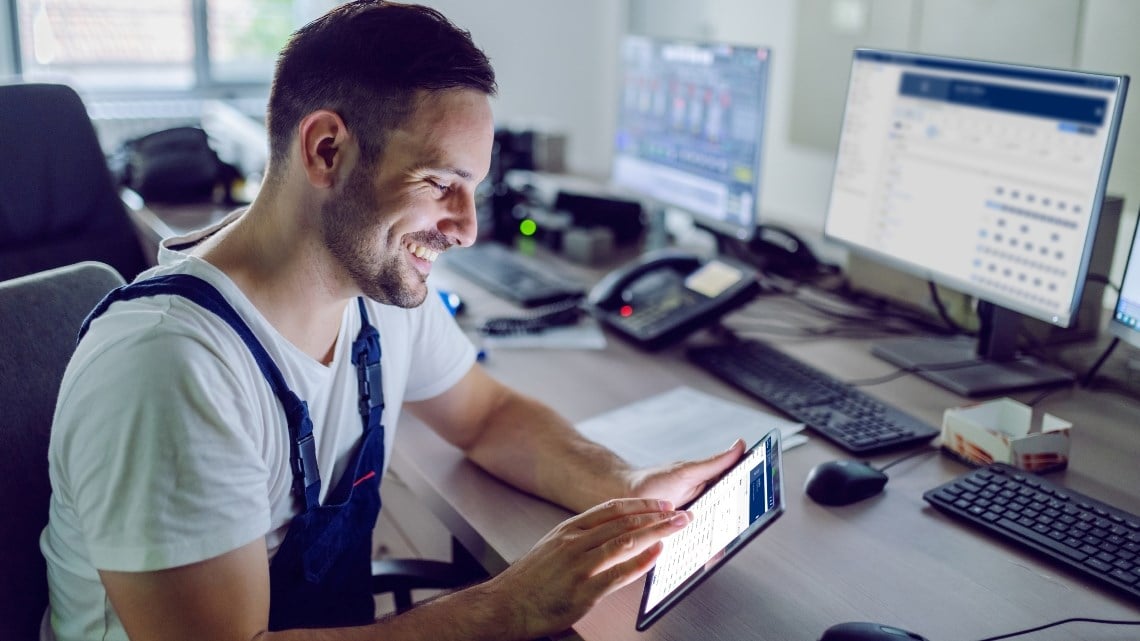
425, 253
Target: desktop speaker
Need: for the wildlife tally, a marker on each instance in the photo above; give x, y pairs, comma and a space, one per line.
622, 217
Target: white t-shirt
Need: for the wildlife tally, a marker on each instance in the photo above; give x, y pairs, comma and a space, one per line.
169, 447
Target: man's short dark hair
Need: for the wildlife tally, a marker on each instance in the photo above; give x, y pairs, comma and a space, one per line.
367, 60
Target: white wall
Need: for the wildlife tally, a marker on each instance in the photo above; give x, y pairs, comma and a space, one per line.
7, 55
555, 63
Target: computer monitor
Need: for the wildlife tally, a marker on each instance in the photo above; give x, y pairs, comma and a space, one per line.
987, 178
1125, 322
690, 129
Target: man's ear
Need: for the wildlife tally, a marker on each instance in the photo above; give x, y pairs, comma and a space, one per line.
326, 147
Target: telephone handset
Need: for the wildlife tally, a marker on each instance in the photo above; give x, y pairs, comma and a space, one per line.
666, 295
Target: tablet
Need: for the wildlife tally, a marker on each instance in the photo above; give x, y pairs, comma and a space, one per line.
729, 514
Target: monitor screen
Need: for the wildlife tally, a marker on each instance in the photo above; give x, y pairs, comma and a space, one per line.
690, 128
1125, 321
726, 516
984, 177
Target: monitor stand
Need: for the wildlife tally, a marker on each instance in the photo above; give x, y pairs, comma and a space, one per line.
987, 366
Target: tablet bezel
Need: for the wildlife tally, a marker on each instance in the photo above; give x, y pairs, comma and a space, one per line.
719, 558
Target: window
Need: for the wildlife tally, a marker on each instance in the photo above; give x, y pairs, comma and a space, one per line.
124, 45
245, 37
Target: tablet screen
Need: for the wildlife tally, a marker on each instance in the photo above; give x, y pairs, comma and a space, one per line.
727, 515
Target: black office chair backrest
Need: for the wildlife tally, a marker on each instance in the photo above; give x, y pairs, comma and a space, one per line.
58, 202
40, 316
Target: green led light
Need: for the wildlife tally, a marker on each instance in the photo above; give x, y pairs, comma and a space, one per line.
527, 227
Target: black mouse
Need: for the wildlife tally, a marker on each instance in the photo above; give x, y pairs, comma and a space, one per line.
864, 631
843, 482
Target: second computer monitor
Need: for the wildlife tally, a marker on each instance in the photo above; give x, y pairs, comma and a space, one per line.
984, 177
690, 128
1125, 321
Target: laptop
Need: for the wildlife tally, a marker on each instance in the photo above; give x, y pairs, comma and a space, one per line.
726, 516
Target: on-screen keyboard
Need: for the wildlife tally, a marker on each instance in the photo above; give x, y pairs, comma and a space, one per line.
510, 275
1096, 539
845, 415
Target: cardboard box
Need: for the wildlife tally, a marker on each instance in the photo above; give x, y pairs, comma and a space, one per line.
1001, 431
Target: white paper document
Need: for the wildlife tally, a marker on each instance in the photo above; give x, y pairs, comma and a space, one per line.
683, 424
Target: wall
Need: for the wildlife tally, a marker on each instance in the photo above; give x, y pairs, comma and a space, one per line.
7, 47
555, 65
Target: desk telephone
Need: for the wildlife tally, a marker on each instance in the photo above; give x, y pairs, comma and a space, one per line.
666, 295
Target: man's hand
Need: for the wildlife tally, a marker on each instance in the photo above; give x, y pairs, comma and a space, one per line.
582, 560
683, 482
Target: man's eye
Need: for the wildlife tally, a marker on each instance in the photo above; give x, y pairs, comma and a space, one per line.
440, 186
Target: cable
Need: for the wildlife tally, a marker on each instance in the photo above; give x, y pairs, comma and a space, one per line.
926, 451
889, 310
1088, 377
1101, 278
1043, 395
945, 315
902, 371
554, 315
1061, 622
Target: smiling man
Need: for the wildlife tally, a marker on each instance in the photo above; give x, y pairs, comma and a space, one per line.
224, 424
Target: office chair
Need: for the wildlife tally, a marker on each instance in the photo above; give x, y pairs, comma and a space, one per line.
58, 202
40, 315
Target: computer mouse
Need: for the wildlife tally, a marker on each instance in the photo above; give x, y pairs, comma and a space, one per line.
865, 631
843, 482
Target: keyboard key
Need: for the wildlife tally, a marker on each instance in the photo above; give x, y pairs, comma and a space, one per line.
510, 275
1076, 531
845, 415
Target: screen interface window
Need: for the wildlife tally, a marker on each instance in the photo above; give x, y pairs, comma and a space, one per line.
737, 500
690, 124
1128, 304
983, 175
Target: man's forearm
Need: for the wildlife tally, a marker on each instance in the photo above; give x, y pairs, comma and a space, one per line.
533, 448
474, 614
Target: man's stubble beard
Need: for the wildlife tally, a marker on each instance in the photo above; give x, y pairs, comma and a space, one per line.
351, 232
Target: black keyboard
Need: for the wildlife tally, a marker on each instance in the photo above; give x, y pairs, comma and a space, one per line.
1094, 538
510, 275
850, 418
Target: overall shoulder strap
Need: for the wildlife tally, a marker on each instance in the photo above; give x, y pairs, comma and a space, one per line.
366, 358
303, 453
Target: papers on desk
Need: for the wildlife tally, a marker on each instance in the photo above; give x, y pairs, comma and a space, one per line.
683, 424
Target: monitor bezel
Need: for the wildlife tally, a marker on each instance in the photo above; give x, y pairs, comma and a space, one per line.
1127, 333
717, 225
964, 286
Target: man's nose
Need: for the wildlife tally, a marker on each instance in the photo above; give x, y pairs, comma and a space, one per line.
462, 225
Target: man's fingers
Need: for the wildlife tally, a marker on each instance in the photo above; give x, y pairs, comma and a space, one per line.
619, 575
710, 468
616, 509
615, 543
644, 532
720, 462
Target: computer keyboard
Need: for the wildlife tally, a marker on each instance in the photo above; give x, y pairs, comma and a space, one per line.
1094, 538
850, 418
510, 275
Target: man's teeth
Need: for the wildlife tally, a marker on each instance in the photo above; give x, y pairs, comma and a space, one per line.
423, 252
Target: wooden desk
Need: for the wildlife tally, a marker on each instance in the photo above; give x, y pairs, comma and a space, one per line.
155, 222
891, 559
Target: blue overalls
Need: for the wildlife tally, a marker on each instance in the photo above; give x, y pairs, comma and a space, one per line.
321, 574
